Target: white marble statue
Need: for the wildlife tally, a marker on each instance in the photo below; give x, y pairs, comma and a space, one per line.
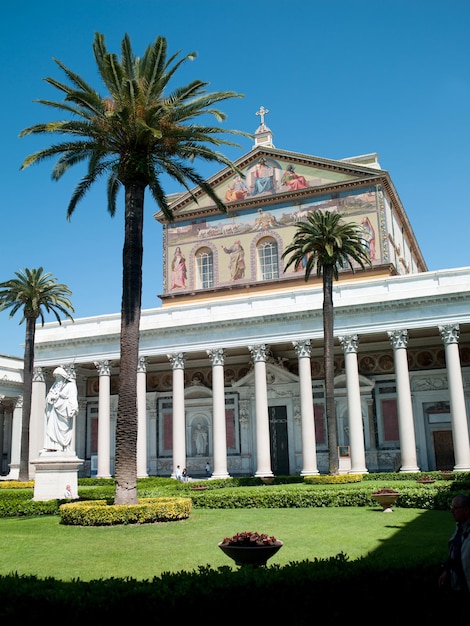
61, 409
200, 439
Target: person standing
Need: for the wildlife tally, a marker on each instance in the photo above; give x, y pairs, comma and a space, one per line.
208, 469
456, 573
178, 270
237, 260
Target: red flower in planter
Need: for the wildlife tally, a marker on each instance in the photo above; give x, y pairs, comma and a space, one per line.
247, 539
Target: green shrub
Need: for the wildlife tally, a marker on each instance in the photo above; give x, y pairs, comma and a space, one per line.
103, 513
326, 479
16, 484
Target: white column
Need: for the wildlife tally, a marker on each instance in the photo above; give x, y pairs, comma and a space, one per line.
104, 420
142, 418
2, 431
356, 426
14, 472
450, 334
179, 420
309, 444
7, 431
219, 428
263, 452
38, 417
399, 341
73, 451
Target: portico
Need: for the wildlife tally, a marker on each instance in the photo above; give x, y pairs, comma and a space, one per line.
244, 393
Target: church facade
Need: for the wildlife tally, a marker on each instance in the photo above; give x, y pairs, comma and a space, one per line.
231, 362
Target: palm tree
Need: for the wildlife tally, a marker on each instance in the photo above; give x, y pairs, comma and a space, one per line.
35, 293
133, 134
327, 242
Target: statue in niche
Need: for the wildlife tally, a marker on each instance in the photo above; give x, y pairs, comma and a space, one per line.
200, 439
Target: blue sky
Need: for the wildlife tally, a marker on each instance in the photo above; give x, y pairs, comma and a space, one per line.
340, 78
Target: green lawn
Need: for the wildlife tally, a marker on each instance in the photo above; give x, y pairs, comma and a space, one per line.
43, 547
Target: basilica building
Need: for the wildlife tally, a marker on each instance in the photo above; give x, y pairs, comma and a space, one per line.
231, 357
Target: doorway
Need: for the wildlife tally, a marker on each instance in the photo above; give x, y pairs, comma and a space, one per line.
444, 450
278, 440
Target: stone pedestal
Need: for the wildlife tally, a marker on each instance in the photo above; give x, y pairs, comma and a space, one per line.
54, 471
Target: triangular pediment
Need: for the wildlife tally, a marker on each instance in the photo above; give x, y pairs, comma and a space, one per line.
366, 385
275, 375
271, 174
197, 390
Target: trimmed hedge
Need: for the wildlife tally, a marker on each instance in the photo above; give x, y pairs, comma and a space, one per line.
147, 511
332, 589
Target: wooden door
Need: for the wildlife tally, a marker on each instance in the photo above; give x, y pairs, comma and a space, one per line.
444, 450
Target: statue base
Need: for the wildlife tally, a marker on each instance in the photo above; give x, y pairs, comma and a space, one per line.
56, 473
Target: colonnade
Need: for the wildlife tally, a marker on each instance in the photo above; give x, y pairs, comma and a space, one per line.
398, 339
350, 343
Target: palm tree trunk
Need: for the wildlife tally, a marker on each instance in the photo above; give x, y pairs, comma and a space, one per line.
329, 366
126, 425
27, 392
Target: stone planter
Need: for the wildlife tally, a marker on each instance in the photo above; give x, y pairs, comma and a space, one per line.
254, 556
385, 497
268, 480
447, 475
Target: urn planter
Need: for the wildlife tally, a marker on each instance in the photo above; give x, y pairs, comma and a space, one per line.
385, 497
254, 556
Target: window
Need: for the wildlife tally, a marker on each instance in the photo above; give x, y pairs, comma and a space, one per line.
205, 269
268, 262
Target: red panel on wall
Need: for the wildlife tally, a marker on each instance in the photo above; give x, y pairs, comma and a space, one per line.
319, 424
94, 436
230, 427
390, 420
168, 431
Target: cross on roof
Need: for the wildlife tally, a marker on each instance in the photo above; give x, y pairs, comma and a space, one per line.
262, 111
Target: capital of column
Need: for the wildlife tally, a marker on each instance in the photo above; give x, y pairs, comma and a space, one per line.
349, 344
103, 368
142, 365
450, 333
38, 375
177, 360
258, 352
217, 356
19, 402
302, 348
398, 338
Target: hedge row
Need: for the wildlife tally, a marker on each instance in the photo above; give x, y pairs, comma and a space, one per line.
218, 494
333, 589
